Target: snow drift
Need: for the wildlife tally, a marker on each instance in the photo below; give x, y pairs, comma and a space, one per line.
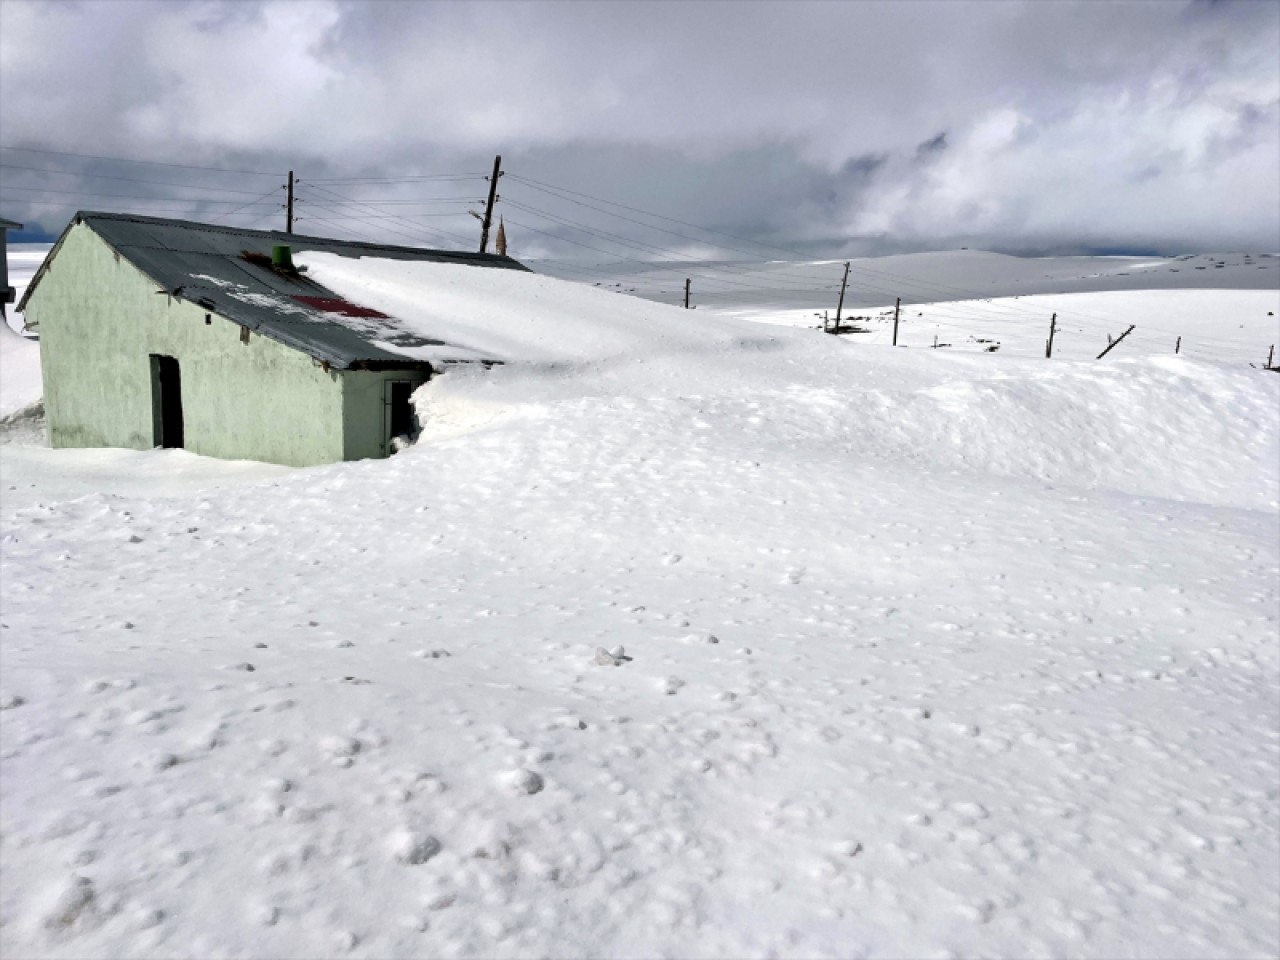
1160, 427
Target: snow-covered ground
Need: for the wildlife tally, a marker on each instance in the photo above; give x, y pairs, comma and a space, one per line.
20, 384
922, 653
1235, 327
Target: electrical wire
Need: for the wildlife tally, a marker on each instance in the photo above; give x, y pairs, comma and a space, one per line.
950, 294
154, 163
116, 196
106, 176
418, 227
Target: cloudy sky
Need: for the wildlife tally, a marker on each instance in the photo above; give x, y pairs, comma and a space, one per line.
828, 129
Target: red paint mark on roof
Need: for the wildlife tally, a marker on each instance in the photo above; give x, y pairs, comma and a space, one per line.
338, 305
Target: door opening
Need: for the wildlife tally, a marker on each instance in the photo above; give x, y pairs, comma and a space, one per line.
166, 401
400, 425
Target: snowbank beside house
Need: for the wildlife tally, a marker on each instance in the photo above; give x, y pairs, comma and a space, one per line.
20, 382
1140, 426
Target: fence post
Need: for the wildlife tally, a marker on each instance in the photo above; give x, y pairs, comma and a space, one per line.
1114, 343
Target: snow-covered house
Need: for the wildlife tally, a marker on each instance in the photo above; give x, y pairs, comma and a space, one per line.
172, 333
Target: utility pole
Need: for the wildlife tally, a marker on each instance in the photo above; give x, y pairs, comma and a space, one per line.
896, 307
288, 215
843, 284
1271, 355
488, 210
1053, 325
1115, 342
686, 292
1177, 347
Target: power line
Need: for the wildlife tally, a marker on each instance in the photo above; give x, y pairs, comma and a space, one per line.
899, 281
154, 163
417, 227
950, 294
106, 176
113, 196
251, 203
668, 256
384, 180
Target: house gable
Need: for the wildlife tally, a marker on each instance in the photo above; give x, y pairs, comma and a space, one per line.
101, 320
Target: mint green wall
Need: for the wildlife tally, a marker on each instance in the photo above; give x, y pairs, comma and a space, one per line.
364, 413
100, 319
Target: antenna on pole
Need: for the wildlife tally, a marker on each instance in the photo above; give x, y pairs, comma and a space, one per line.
488, 210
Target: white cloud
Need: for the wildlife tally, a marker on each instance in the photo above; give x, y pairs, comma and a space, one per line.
1064, 122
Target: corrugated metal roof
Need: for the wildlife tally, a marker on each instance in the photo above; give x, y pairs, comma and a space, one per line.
207, 265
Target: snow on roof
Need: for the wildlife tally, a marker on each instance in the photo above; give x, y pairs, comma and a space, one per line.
514, 316
227, 270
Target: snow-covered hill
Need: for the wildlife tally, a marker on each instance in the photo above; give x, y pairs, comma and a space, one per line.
691, 637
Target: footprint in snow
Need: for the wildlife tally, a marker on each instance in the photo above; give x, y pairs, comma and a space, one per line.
611, 658
413, 848
701, 636
523, 781
74, 906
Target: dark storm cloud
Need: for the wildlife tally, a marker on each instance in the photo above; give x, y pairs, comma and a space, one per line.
829, 128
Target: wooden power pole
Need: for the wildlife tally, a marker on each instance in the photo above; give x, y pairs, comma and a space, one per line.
288, 207
1053, 325
896, 307
686, 292
488, 210
843, 283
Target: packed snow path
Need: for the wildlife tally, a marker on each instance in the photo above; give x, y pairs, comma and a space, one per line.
921, 656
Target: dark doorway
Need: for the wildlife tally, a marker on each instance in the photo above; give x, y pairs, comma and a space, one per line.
166, 401
398, 411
